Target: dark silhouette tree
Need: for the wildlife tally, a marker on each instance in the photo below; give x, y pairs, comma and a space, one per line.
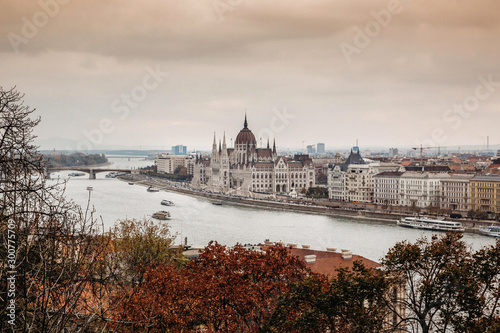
48, 241
448, 286
353, 301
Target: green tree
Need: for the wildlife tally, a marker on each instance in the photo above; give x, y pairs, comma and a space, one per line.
321, 178
471, 214
414, 208
448, 286
353, 301
138, 244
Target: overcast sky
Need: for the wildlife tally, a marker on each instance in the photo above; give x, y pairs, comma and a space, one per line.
389, 73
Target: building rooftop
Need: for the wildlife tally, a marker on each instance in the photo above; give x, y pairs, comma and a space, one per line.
429, 168
487, 178
456, 177
425, 175
327, 262
389, 174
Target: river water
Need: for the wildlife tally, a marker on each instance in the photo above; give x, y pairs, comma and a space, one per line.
200, 221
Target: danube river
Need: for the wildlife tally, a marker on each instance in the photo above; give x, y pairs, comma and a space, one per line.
200, 221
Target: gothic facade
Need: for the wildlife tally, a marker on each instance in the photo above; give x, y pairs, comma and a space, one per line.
245, 168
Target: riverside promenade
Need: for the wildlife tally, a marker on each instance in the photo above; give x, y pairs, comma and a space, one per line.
305, 206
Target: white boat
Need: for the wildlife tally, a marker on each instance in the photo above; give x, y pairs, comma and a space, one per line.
152, 189
167, 203
431, 224
162, 215
492, 231
76, 174
90, 188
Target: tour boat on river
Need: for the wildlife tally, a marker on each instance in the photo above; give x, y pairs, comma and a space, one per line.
76, 174
493, 231
431, 224
167, 203
162, 215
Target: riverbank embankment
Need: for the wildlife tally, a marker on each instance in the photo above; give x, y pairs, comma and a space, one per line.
302, 206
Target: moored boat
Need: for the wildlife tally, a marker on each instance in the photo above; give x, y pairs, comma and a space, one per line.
167, 203
493, 231
431, 224
76, 174
90, 188
152, 189
217, 203
131, 183
162, 215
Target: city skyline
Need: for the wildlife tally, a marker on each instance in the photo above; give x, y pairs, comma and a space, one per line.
389, 73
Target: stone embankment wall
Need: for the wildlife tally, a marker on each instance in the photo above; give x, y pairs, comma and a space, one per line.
323, 208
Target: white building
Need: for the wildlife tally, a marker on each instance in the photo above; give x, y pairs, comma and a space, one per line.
358, 183
386, 188
421, 189
337, 189
455, 193
169, 163
353, 179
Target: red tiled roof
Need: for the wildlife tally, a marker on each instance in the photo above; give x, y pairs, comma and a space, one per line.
264, 152
327, 262
261, 165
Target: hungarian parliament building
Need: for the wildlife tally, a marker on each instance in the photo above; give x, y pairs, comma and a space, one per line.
245, 168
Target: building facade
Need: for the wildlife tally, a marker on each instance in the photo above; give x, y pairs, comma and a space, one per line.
311, 149
245, 168
386, 188
320, 148
337, 189
353, 180
421, 189
455, 193
179, 150
169, 163
393, 152
485, 193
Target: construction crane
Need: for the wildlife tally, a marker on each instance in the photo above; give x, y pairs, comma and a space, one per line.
421, 148
421, 152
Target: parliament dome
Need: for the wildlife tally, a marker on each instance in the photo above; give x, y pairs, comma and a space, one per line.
245, 136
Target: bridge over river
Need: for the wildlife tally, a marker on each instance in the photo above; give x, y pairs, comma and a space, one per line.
91, 171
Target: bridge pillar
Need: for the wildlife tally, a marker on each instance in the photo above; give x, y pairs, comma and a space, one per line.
91, 174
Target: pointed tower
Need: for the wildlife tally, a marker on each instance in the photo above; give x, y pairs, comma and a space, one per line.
267, 143
224, 165
274, 147
224, 154
214, 151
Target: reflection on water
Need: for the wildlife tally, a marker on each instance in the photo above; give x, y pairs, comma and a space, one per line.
200, 221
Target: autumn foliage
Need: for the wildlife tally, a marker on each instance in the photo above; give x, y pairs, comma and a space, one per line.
225, 289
